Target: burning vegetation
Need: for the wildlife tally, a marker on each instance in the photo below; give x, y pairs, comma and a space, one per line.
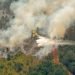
36, 27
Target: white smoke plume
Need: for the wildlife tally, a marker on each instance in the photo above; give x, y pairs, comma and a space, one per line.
49, 44
61, 21
43, 52
54, 16
27, 18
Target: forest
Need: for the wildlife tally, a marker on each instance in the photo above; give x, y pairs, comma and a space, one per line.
22, 64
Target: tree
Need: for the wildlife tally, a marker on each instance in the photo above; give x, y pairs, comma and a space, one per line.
48, 68
18, 67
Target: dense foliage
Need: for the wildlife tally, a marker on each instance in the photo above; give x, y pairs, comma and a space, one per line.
17, 65
28, 65
48, 68
67, 57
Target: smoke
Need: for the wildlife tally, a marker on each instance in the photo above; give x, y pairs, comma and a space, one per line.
43, 52
29, 15
60, 21
50, 16
2, 1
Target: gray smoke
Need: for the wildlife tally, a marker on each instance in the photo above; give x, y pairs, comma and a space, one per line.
50, 16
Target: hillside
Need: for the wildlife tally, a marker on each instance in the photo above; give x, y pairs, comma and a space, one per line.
21, 24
